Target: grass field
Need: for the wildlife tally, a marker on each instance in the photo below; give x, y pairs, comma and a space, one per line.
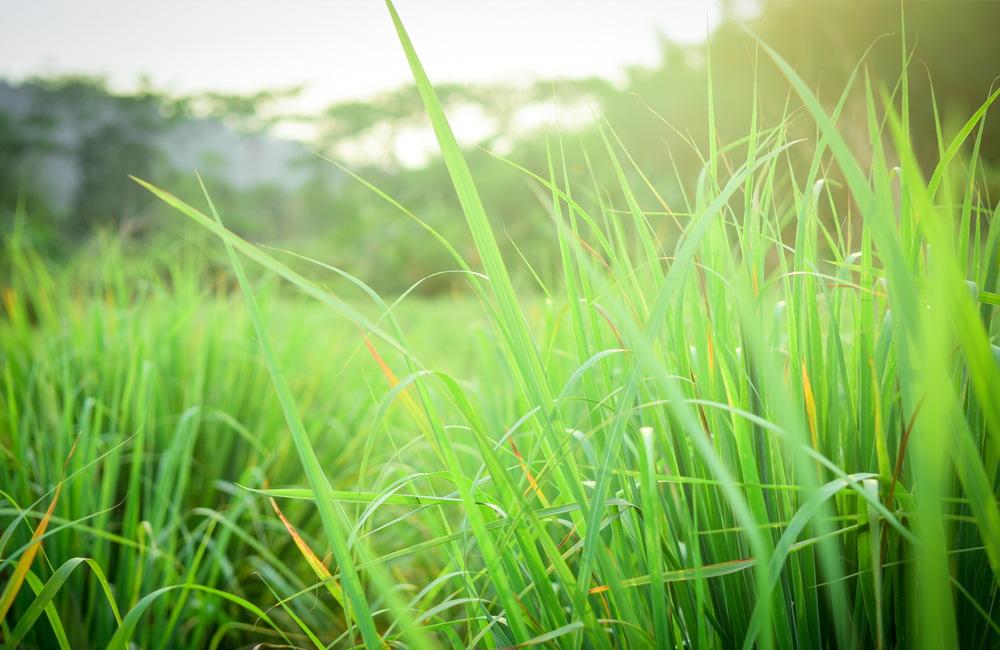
780, 432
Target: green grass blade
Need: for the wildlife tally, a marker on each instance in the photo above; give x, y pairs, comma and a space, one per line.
332, 523
43, 600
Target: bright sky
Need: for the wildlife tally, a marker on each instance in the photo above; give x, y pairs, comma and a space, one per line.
341, 50
345, 49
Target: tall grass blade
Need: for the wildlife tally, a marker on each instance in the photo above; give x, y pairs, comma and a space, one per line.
332, 524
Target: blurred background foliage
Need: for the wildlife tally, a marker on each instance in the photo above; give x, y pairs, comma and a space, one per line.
74, 133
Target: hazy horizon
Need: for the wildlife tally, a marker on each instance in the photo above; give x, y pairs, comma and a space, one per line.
338, 50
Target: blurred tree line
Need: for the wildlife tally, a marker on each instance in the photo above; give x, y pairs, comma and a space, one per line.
68, 145
654, 117
73, 129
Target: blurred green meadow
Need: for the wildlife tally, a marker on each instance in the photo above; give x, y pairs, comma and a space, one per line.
738, 389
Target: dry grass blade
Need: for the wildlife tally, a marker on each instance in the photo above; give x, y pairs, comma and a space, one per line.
13, 585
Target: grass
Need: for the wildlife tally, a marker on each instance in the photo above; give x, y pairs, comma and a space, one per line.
779, 432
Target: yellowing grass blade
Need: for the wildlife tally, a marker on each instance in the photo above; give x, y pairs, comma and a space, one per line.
411, 405
24, 564
314, 562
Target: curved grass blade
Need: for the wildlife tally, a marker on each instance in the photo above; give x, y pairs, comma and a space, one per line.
271, 264
120, 640
43, 600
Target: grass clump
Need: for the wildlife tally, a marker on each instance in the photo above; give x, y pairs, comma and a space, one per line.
734, 443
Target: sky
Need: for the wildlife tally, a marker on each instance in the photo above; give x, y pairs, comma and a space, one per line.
340, 50
344, 50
